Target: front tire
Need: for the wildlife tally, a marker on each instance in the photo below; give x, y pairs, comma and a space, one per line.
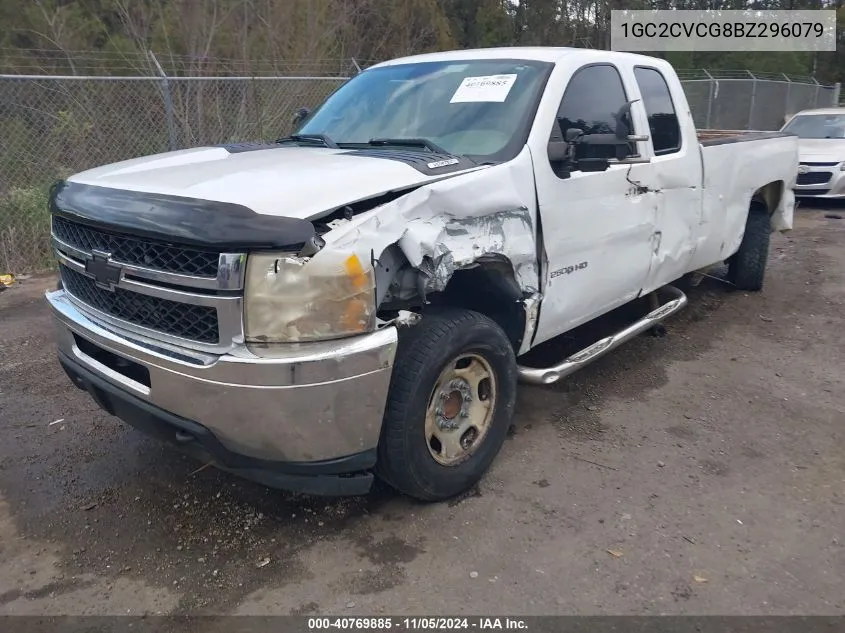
451, 402
747, 267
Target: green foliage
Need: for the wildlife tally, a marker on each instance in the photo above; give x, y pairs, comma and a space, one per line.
25, 206
25, 230
193, 38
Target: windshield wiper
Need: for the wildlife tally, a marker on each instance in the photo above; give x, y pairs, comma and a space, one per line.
409, 142
310, 138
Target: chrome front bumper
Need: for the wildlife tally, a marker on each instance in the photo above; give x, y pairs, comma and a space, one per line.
288, 403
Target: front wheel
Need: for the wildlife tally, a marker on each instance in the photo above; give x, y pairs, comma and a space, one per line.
451, 402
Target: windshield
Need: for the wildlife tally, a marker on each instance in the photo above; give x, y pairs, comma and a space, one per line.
817, 126
481, 108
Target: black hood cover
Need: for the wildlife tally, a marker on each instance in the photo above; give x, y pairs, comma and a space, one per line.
177, 219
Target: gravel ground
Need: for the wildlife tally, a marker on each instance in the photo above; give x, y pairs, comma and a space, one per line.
698, 473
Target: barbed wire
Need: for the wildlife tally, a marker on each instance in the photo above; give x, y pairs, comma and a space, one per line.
39, 61
693, 74
52, 61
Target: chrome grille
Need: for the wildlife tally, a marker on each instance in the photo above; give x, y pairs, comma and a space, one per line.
814, 178
132, 250
183, 320
164, 292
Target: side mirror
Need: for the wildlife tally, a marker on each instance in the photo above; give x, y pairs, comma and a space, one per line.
563, 151
300, 116
559, 151
564, 155
606, 146
597, 151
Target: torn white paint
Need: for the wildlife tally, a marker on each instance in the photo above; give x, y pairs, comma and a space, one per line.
406, 318
532, 311
453, 223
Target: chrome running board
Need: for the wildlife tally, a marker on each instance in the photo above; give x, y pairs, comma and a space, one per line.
548, 375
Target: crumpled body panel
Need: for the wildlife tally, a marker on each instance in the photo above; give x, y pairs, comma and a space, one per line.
450, 224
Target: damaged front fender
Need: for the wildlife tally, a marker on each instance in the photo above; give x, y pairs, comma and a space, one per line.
452, 224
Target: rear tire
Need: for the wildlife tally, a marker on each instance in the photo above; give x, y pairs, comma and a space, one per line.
451, 402
747, 267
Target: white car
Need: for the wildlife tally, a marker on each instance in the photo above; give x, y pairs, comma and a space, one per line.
355, 299
821, 172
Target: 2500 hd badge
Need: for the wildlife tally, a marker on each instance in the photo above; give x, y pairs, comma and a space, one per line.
568, 270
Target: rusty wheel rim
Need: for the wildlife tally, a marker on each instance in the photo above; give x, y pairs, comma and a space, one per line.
460, 409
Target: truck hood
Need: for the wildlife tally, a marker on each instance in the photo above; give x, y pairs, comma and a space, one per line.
293, 182
821, 150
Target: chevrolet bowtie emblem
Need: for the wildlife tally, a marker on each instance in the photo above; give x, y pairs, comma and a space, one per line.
106, 274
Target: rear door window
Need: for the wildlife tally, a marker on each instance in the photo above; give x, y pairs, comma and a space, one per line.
664, 129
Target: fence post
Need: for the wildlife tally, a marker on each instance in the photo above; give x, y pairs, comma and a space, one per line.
786, 108
168, 104
710, 97
837, 87
753, 98
816, 98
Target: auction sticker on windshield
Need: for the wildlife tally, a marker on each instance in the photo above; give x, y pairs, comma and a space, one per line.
493, 88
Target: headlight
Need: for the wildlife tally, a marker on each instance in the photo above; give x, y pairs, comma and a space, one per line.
290, 299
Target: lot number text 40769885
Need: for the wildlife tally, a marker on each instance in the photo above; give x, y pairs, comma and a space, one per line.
418, 623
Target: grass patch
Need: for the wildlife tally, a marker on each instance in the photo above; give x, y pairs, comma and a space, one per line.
25, 230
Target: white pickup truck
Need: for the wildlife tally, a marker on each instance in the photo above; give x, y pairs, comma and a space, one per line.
353, 300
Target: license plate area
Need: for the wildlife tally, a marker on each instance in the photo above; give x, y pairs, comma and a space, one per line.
123, 366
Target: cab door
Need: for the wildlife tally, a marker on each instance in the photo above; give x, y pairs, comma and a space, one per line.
597, 227
676, 164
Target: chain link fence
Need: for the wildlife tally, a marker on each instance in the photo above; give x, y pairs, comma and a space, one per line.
52, 127
741, 100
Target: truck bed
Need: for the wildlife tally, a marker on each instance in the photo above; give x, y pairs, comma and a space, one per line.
736, 166
721, 137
